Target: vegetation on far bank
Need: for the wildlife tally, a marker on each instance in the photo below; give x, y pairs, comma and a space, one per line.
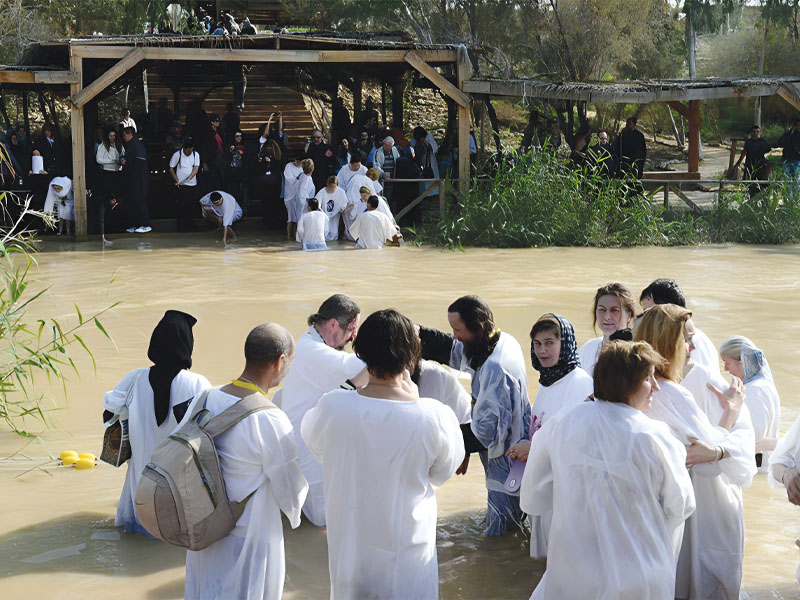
539, 200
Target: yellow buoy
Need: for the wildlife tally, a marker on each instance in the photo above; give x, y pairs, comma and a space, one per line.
88, 455
70, 459
67, 453
84, 463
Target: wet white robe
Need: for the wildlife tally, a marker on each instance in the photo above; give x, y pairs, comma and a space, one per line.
143, 431
438, 382
332, 205
787, 453
312, 230
764, 403
315, 370
256, 453
382, 459
372, 229
569, 391
705, 353
619, 493
710, 564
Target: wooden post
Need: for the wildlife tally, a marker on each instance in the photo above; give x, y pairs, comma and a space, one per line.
694, 136
78, 153
463, 72
25, 115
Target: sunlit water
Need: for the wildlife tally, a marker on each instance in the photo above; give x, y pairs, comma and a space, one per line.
57, 538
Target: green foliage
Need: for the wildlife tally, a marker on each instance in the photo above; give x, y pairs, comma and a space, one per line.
541, 201
30, 350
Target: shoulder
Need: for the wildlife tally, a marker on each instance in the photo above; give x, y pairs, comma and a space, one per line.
591, 344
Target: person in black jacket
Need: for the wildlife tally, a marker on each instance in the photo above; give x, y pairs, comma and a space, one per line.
136, 176
322, 155
50, 150
631, 149
755, 159
790, 142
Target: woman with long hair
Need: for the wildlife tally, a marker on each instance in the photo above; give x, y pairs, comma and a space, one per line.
614, 307
720, 447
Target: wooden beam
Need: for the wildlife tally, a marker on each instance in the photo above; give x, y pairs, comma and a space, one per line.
250, 55
437, 79
131, 59
694, 135
407, 208
78, 155
463, 73
679, 107
40, 77
791, 93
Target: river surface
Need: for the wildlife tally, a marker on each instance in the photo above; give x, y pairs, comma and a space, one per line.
57, 538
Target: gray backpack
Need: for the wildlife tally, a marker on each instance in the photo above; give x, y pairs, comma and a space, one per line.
181, 496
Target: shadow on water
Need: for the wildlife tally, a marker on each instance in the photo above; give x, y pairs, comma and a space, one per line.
84, 542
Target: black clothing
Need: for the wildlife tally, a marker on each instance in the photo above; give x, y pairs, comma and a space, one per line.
754, 154
50, 151
323, 166
602, 157
790, 142
170, 350
136, 176
632, 151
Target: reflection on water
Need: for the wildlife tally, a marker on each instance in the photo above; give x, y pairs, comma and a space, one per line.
57, 535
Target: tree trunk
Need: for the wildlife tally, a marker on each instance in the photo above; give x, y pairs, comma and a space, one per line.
530, 130
691, 41
43, 106
495, 125
675, 133
757, 116
25, 113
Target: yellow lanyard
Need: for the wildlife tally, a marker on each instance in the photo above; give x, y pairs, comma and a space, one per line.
248, 386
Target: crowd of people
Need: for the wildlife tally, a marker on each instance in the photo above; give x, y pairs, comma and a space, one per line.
627, 469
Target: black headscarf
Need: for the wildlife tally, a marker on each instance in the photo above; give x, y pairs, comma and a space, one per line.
170, 350
567, 357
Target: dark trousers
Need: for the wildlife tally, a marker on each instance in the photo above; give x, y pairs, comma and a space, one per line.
187, 207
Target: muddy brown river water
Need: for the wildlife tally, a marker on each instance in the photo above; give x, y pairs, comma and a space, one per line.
57, 538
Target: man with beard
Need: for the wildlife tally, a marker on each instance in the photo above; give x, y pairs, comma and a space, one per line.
320, 365
322, 155
501, 411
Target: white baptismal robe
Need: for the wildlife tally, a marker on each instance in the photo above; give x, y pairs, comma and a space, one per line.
332, 204
588, 354
315, 370
143, 431
438, 382
618, 490
710, 564
705, 353
312, 228
381, 459
372, 229
787, 453
764, 403
569, 391
258, 453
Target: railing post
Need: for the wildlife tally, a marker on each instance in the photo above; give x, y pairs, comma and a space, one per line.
441, 197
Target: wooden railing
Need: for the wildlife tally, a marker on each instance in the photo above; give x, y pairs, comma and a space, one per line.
434, 183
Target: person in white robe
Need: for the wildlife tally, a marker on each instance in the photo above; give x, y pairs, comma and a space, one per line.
257, 456
312, 229
440, 383
332, 201
784, 463
356, 184
373, 229
716, 429
60, 200
744, 360
383, 449
319, 366
562, 385
614, 308
501, 410
292, 173
221, 210
153, 401
589, 466
667, 291
347, 172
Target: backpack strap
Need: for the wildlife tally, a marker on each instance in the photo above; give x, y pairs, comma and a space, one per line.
251, 402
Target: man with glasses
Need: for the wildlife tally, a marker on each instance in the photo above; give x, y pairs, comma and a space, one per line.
321, 365
322, 155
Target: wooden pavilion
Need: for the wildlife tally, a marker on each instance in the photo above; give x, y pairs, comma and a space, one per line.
85, 69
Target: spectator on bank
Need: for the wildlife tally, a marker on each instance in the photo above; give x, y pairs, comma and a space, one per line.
126, 120
230, 123
312, 228
49, 149
183, 168
21, 154
631, 149
755, 159
343, 153
9, 174
322, 155
401, 193
109, 156
248, 28
136, 177
601, 155
211, 151
222, 211
364, 143
386, 156
369, 113
236, 167
340, 118
174, 139
425, 149
277, 134
790, 142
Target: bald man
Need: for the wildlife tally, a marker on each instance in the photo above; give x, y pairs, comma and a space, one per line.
258, 458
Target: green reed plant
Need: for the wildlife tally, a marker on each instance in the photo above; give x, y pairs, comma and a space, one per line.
31, 348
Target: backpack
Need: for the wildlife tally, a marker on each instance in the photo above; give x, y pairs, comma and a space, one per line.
181, 495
